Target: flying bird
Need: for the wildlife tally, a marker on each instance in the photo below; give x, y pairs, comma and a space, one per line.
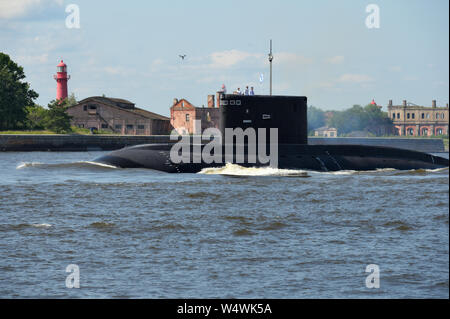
182, 56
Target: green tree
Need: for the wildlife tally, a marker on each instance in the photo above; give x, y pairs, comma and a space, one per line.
15, 95
357, 118
71, 100
316, 118
57, 119
36, 117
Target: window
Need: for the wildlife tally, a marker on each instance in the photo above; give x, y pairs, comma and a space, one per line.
118, 126
442, 116
398, 115
423, 115
187, 117
104, 125
428, 115
129, 126
331, 134
408, 116
141, 127
439, 131
410, 131
393, 116
81, 125
413, 115
424, 131
84, 107
437, 116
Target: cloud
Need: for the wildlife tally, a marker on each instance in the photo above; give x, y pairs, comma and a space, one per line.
10, 9
118, 70
31, 59
226, 59
291, 59
335, 60
355, 78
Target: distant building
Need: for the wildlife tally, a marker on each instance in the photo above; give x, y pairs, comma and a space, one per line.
118, 116
183, 114
325, 132
413, 120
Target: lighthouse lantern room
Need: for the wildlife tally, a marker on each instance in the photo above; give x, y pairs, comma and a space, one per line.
61, 78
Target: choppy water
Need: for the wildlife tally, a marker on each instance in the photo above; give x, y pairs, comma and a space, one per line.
225, 233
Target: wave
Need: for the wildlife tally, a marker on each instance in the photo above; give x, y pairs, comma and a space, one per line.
394, 171
236, 170
82, 164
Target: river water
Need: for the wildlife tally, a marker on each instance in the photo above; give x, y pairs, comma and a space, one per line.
222, 233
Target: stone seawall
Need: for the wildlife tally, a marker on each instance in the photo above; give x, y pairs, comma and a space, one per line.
77, 143
74, 143
426, 145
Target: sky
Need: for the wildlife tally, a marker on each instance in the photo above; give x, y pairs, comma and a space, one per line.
322, 49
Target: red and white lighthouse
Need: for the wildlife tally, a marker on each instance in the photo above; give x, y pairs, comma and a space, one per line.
61, 78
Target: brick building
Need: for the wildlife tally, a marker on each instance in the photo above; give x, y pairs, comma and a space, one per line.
413, 120
183, 114
118, 116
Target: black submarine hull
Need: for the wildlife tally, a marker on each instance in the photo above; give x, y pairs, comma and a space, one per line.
288, 116
290, 156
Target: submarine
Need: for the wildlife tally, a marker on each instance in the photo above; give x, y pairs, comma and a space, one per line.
263, 115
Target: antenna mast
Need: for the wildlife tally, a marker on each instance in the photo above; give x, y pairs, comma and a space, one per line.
270, 60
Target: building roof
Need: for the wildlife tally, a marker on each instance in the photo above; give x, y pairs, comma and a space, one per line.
150, 114
124, 105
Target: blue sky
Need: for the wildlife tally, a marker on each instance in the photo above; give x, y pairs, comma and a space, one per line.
322, 49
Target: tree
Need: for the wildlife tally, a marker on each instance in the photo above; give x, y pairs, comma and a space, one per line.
71, 100
36, 117
316, 118
15, 95
357, 118
57, 119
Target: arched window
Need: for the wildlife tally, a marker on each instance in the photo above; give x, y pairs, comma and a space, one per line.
423, 115
442, 116
424, 131
437, 116
410, 131
398, 115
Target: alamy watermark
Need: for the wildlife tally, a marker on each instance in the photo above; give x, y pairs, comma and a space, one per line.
73, 279
212, 152
73, 19
373, 19
373, 280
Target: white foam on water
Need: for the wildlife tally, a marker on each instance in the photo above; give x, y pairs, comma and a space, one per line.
24, 165
64, 165
237, 170
437, 169
100, 164
44, 225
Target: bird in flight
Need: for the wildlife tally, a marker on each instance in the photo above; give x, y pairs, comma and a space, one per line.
182, 56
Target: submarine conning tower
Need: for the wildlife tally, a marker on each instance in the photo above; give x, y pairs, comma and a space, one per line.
286, 113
